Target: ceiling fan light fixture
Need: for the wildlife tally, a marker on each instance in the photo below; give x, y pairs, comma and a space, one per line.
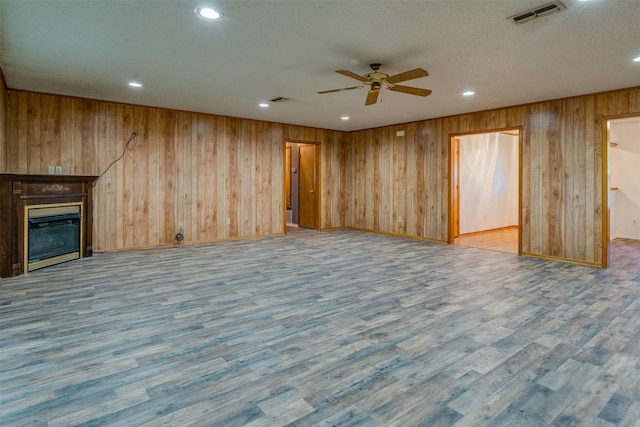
377, 80
263, 105
135, 84
636, 59
468, 93
344, 118
208, 13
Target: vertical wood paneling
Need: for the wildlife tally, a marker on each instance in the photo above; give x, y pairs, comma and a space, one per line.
561, 200
411, 170
592, 139
34, 134
11, 143
221, 176
168, 224
233, 183
576, 185
200, 169
109, 190
51, 122
118, 176
416, 209
553, 177
184, 174
203, 144
153, 204
3, 124
277, 203
434, 134
67, 156
22, 137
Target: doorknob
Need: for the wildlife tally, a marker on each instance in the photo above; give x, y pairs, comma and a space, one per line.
312, 191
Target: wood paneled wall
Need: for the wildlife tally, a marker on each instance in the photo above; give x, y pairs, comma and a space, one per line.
200, 169
562, 206
183, 167
3, 123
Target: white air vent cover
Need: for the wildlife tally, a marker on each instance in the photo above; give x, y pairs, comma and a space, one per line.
545, 9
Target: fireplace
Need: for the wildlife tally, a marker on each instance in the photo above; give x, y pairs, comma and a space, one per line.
44, 220
53, 234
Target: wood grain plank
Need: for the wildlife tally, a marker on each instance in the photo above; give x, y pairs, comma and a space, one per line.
11, 149
154, 197
50, 134
3, 124
33, 121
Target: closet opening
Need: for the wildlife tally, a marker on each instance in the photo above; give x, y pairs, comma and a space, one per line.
622, 191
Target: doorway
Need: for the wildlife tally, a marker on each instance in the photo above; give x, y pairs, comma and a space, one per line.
485, 190
623, 186
301, 182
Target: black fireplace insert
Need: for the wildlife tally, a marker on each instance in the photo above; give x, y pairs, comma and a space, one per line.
53, 235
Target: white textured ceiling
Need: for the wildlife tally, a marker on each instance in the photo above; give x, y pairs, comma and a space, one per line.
266, 49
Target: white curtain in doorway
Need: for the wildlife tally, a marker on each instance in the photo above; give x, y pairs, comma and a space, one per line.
488, 181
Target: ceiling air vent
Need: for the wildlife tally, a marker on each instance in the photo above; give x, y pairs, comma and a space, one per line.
543, 10
278, 99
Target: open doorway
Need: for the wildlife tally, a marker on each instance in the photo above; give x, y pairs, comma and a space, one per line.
623, 190
301, 177
485, 190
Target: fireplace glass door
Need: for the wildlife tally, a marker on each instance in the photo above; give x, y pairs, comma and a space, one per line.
53, 234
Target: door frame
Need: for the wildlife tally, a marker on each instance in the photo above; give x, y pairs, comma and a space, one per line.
318, 177
606, 187
453, 180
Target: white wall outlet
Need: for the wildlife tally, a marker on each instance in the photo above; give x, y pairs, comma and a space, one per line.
400, 133
180, 226
52, 170
58, 170
228, 221
399, 219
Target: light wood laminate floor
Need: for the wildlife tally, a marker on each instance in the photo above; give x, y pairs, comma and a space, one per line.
339, 328
502, 239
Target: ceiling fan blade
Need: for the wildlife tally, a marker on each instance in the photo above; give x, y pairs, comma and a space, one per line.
340, 90
352, 75
411, 90
407, 75
372, 97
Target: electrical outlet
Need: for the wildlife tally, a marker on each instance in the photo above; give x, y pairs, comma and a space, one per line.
228, 221
399, 219
52, 170
181, 226
58, 170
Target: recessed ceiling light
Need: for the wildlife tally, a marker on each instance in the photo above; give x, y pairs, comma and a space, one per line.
345, 118
263, 105
468, 93
637, 59
208, 13
135, 84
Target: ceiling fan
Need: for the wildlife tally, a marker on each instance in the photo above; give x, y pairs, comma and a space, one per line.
377, 80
